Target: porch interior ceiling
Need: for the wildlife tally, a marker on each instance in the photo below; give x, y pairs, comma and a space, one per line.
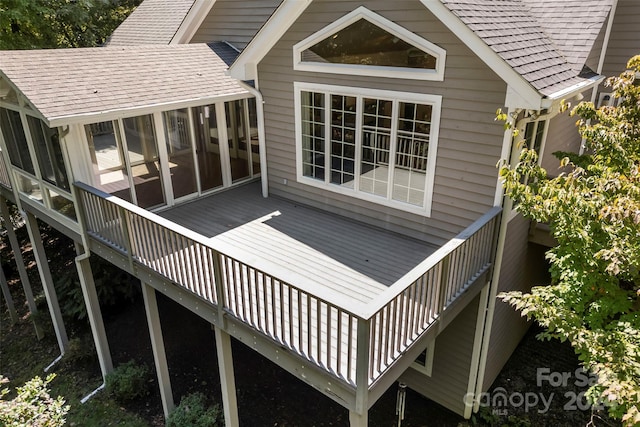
80, 85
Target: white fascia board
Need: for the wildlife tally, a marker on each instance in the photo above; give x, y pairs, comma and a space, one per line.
101, 116
515, 81
577, 88
191, 23
33, 110
245, 66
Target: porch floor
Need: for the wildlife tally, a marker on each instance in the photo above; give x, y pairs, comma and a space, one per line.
352, 259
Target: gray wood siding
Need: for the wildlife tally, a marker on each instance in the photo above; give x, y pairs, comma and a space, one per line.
234, 21
625, 37
562, 135
451, 363
469, 143
594, 55
522, 266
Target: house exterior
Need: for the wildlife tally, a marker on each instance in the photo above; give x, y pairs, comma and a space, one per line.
315, 178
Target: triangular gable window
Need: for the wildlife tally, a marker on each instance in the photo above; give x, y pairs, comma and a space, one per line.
364, 43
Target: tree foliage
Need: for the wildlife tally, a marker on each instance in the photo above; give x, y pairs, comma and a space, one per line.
31, 24
593, 211
32, 406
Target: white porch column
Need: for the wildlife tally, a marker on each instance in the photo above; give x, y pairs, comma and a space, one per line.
22, 271
13, 315
47, 282
358, 420
227, 379
93, 310
157, 344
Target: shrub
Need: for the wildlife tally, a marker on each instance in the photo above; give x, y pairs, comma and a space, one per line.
128, 382
33, 406
193, 412
115, 288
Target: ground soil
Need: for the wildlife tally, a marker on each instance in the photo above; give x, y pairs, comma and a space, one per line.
267, 395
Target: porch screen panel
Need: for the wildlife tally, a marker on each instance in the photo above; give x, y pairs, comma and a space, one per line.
313, 147
207, 147
109, 168
343, 140
143, 157
46, 142
376, 146
16, 140
180, 151
412, 148
237, 134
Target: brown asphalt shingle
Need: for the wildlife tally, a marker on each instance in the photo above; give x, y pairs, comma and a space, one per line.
153, 22
529, 35
74, 82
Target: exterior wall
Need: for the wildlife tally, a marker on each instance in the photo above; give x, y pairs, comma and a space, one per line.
469, 143
449, 380
625, 37
522, 266
562, 135
594, 55
234, 21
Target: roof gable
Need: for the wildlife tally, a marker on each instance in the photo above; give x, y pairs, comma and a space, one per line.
505, 34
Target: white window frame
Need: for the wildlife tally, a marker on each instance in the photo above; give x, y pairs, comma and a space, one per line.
371, 70
434, 100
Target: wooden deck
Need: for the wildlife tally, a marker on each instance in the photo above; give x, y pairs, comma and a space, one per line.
350, 299
352, 259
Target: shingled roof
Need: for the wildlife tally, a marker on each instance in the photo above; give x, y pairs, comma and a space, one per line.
67, 85
529, 36
153, 22
572, 25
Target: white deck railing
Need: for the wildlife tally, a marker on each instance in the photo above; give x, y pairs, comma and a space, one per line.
355, 344
4, 173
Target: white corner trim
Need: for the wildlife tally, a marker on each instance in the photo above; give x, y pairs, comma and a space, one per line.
517, 83
191, 23
368, 70
245, 66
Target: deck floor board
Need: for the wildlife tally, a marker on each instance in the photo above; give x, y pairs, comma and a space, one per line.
349, 258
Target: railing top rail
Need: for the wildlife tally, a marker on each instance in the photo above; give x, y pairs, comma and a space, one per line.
347, 304
431, 261
145, 213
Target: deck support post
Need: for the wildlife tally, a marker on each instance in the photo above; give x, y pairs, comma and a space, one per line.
13, 314
358, 420
360, 415
47, 281
157, 345
227, 379
93, 310
22, 271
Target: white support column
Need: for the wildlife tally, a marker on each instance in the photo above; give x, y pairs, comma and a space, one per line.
157, 344
358, 420
22, 271
47, 281
93, 310
227, 379
13, 315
